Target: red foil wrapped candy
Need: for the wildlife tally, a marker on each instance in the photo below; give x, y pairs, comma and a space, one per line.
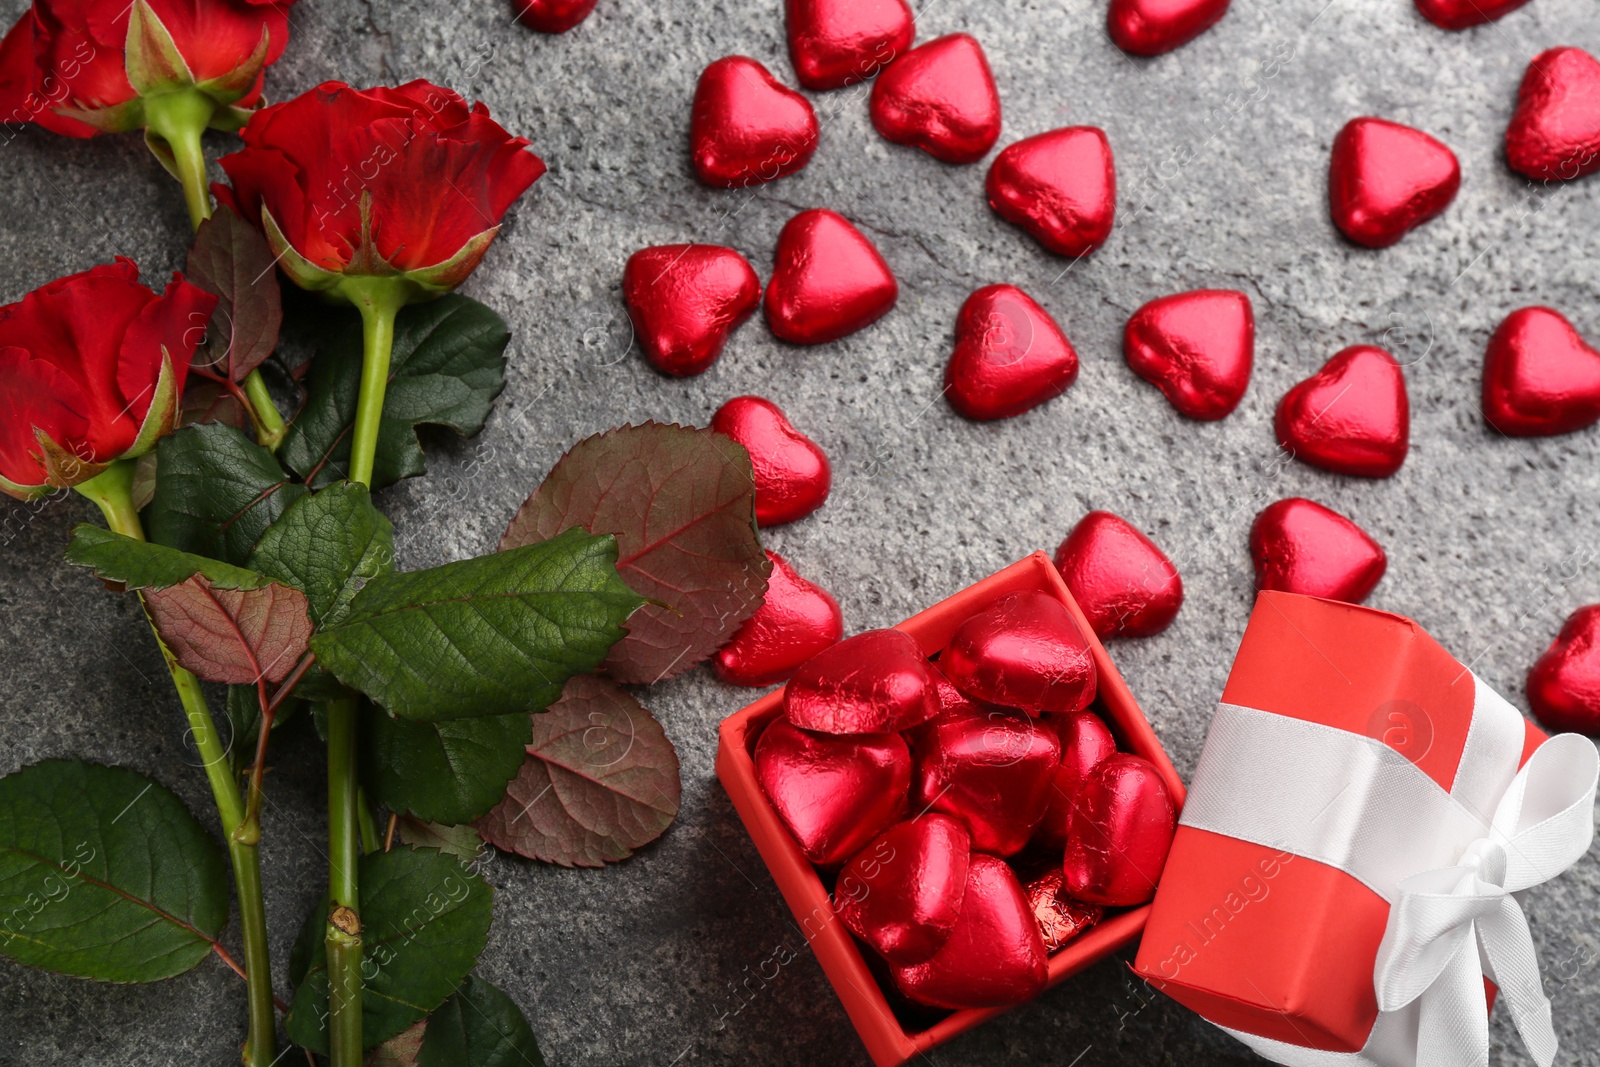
993, 770
795, 621
1151, 27
1025, 651
1085, 742
684, 301
1125, 585
1060, 917
1299, 546
834, 793
552, 16
828, 280
1564, 686
1385, 179
1196, 347
792, 473
1119, 833
833, 43
747, 128
1351, 417
1009, 356
1539, 376
1460, 14
940, 97
902, 893
874, 682
1554, 134
994, 957
1060, 186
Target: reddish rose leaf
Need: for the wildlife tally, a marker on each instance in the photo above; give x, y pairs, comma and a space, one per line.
205, 401
231, 260
235, 636
681, 503
601, 779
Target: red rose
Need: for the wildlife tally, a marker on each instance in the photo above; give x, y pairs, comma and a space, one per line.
72, 66
407, 183
91, 368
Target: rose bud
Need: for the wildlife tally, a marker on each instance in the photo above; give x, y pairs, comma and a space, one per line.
91, 369
171, 67
400, 188
379, 197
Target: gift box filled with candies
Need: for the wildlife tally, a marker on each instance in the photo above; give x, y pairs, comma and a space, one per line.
961, 811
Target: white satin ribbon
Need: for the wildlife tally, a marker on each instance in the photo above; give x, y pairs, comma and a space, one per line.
1447, 862
1444, 918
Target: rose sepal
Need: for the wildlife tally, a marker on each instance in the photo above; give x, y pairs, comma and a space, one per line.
237, 83
444, 276
151, 57
63, 467
163, 414
367, 264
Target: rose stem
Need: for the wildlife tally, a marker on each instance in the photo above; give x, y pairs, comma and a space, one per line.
178, 119
112, 490
269, 423
343, 935
378, 300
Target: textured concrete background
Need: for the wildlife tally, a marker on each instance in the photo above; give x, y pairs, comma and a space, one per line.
1221, 155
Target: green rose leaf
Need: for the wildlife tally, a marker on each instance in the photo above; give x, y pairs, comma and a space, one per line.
424, 921
141, 565
601, 779
105, 874
446, 772
447, 366
479, 1026
243, 708
681, 503
216, 492
329, 545
232, 260
486, 636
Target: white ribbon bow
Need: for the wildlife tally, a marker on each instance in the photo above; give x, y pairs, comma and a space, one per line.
1450, 927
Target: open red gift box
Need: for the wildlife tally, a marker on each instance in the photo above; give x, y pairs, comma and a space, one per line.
886, 1036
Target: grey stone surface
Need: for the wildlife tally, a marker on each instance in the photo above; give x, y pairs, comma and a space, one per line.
1221, 154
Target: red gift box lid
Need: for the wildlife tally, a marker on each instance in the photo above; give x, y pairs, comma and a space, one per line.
1281, 946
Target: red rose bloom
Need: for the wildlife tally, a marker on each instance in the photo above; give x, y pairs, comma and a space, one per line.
408, 182
72, 66
91, 368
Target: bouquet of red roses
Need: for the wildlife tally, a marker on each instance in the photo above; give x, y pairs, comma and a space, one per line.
268, 575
